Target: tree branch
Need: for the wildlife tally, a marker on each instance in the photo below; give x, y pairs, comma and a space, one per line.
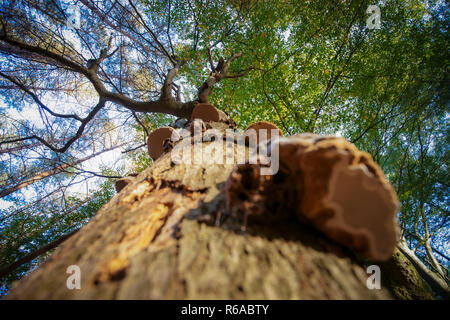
59, 59
135, 148
162, 48
78, 134
217, 74
168, 106
240, 74
165, 104
13, 266
38, 101
211, 63
166, 91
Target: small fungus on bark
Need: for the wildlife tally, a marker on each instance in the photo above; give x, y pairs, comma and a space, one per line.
123, 182
207, 113
265, 126
158, 139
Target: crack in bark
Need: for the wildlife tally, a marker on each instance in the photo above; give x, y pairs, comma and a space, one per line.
169, 206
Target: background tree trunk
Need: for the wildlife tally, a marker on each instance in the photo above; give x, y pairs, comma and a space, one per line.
432, 279
400, 275
48, 173
157, 239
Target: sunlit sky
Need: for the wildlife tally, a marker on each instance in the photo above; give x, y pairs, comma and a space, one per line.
110, 159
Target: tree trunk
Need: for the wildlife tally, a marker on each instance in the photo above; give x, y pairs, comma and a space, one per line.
160, 238
29, 146
48, 173
432, 279
29, 257
403, 279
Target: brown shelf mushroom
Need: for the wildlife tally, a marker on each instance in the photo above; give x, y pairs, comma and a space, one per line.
157, 140
338, 189
263, 125
123, 182
343, 192
207, 113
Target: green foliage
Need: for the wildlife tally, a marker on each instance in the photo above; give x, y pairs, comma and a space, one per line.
25, 230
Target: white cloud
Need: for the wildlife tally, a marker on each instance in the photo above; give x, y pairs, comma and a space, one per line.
5, 204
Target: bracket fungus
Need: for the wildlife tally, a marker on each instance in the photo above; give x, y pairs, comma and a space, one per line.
123, 182
163, 139
265, 126
158, 139
207, 113
330, 184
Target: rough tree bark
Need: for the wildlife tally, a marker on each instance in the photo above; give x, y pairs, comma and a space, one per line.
157, 239
400, 275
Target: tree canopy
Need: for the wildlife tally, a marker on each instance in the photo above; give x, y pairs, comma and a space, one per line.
82, 84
